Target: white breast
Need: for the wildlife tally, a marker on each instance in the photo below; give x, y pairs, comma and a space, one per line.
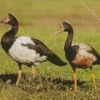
23, 54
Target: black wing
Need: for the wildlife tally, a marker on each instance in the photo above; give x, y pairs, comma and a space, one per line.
40, 48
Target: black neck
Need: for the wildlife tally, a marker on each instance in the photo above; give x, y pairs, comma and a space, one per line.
8, 38
10, 34
69, 51
69, 39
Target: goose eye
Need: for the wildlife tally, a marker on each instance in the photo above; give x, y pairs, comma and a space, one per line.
9, 17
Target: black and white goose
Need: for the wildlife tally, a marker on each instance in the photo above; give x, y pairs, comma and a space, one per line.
26, 50
79, 55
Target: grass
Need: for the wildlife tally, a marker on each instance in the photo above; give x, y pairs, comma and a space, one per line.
40, 19
47, 88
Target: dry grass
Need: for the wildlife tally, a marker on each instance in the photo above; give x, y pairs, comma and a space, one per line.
47, 88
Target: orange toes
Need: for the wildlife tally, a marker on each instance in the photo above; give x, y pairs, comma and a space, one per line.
76, 91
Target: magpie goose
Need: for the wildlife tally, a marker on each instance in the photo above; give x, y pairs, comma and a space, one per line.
79, 55
26, 50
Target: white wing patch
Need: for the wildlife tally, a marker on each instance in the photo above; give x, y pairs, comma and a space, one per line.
83, 56
23, 54
83, 46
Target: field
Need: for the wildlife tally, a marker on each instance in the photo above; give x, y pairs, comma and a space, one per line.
41, 19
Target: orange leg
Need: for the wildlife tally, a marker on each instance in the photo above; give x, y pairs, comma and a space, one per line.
75, 81
19, 77
34, 71
19, 74
93, 79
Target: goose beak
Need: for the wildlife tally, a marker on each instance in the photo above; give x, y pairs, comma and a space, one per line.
0, 21
5, 20
61, 29
57, 32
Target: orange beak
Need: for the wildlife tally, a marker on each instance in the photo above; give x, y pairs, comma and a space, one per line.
61, 29
5, 20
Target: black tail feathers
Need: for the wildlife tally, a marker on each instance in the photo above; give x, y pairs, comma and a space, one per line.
56, 60
99, 60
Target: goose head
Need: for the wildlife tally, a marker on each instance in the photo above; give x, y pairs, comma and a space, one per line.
65, 27
9, 19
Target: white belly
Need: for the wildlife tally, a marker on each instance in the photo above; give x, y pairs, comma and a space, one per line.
23, 54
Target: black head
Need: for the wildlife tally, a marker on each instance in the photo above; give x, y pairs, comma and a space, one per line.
10, 19
64, 27
67, 26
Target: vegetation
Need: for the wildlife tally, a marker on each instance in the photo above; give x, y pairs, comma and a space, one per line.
40, 19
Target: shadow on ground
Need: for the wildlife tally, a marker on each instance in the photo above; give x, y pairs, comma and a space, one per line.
40, 83
5, 77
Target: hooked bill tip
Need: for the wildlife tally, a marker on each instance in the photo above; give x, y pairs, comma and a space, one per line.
1, 21
56, 32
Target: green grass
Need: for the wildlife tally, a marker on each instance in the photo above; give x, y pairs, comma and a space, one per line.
40, 19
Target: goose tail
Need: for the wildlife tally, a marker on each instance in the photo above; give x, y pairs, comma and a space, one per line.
56, 60
99, 60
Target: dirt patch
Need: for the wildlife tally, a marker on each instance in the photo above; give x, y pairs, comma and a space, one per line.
54, 21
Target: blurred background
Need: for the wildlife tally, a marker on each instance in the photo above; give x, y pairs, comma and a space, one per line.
40, 19
50, 13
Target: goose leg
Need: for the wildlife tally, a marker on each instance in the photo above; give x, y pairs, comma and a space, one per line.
75, 80
19, 74
93, 79
34, 71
